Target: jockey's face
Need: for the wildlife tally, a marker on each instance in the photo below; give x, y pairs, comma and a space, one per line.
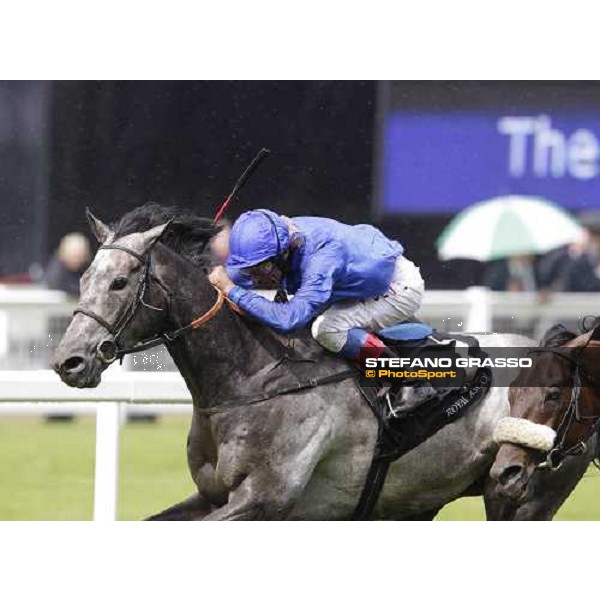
266, 274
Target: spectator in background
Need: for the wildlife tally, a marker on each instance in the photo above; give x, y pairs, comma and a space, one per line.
583, 271
63, 272
575, 268
219, 247
68, 264
219, 244
553, 266
514, 274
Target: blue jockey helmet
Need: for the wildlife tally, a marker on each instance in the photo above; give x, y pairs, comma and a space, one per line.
256, 236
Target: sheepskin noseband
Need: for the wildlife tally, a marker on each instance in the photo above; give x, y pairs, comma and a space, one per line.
524, 433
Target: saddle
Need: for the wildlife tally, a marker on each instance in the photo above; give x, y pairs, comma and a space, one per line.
416, 340
404, 425
411, 412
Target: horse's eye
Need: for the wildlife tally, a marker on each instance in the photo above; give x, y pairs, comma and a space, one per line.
552, 395
118, 283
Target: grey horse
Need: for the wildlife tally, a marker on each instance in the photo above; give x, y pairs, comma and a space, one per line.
302, 455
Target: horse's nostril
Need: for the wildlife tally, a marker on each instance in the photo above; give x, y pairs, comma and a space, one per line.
509, 474
73, 364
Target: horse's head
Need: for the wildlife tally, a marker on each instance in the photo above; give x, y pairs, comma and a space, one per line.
122, 301
555, 405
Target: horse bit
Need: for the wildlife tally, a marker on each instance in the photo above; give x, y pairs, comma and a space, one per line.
108, 351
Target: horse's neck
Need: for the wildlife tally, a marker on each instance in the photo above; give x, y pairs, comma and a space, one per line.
216, 360
218, 356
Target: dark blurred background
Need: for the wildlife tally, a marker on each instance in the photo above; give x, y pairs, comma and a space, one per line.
114, 145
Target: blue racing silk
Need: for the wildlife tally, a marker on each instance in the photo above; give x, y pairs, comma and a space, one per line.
334, 262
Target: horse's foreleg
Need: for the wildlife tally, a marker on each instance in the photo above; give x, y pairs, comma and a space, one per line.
193, 508
259, 477
265, 494
253, 500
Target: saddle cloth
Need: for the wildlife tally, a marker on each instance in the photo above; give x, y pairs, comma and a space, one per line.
403, 430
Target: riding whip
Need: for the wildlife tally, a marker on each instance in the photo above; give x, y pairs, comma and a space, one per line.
264, 152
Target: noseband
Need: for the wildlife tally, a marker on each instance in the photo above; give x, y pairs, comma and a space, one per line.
554, 458
108, 351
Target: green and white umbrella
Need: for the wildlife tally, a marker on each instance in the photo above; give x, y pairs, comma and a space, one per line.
508, 226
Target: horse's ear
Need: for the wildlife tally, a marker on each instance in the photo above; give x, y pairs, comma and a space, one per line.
100, 230
151, 236
595, 333
557, 335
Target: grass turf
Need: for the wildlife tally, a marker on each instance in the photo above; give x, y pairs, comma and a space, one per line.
47, 473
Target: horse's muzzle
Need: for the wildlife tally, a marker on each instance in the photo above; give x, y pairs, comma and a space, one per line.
512, 471
76, 371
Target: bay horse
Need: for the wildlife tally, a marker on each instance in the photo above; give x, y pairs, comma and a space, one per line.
558, 400
257, 451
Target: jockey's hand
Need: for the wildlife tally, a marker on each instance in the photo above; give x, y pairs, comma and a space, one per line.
219, 278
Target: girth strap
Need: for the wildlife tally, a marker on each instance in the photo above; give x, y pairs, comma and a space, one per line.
241, 401
372, 489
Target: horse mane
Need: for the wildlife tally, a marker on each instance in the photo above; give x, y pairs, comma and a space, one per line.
557, 335
187, 234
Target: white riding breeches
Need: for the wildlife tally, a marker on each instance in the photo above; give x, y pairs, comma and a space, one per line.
401, 301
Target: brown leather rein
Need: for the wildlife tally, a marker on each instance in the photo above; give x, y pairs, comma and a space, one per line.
215, 308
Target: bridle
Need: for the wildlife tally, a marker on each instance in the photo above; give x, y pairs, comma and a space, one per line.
117, 328
110, 350
572, 415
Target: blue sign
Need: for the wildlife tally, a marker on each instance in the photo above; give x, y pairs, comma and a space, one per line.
442, 163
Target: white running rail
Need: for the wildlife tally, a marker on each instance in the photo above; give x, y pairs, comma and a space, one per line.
118, 387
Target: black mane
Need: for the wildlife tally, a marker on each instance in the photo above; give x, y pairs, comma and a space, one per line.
187, 234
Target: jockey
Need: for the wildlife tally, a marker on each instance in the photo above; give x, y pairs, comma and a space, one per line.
350, 281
